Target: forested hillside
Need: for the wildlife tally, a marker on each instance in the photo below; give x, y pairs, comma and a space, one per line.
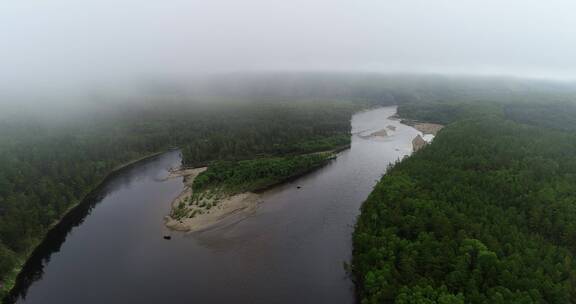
485, 214
48, 167
48, 164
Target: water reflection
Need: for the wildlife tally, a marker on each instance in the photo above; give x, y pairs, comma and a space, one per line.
33, 270
291, 249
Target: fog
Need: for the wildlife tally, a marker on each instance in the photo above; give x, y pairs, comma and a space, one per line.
66, 46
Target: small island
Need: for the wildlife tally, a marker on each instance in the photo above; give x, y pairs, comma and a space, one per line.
228, 187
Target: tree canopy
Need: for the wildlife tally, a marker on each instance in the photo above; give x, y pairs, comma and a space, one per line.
485, 214
47, 168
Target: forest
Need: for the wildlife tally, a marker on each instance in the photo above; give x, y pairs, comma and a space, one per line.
234, 177
48, 167
485, 214
268, 130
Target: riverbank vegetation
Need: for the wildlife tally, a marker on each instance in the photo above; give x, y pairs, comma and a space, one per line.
485, 214
47, 167
49, 163
224, 179
268, 130
232, 177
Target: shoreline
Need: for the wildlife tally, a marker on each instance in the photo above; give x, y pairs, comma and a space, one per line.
235, 204
426, 128
11, 281
418, 143
205, 218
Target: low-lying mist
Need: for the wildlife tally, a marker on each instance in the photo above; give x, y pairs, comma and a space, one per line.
63, 50
131, 99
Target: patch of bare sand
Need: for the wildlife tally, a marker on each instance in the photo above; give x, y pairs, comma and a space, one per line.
202, 217
379, 133
418, 143
243, 202
427, 128
188, 174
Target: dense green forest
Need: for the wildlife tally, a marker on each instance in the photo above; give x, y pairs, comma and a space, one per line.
485, 214
49, 163
267, 130
46, 167
234, 177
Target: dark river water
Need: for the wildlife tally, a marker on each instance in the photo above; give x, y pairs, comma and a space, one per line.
290, 250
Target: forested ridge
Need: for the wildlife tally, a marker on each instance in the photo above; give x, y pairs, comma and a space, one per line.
485, 214
48, 167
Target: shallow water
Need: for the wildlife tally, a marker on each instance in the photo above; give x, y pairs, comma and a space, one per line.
290, 250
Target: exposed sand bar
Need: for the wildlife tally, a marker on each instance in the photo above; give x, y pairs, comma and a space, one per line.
428, 128
424, 127
379, 133
188, 214
187, 174
206, 217
418, 143
243, 202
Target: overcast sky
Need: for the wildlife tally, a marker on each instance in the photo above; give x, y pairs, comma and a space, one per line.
67, 43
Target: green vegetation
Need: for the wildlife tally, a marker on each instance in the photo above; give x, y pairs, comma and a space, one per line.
485, 214
245, 131
558, 116
252, 175
447, 112
47, 167
223, 179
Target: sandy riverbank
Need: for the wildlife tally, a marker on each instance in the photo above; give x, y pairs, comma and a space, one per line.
204, 217
424, 127
194, 212
428, 128
188, 174
418, 143
243, 202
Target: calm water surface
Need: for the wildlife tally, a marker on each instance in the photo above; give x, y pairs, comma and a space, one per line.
290, 250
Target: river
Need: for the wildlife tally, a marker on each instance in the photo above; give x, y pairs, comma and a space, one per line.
291, 249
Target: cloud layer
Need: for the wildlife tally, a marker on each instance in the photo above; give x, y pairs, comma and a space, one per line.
71, 44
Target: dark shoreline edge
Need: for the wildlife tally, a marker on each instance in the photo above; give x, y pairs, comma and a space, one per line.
76, 213
285, 180
58, 231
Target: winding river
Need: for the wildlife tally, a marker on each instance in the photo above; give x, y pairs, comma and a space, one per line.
291, 249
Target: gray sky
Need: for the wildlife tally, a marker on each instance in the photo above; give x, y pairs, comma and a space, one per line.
70, 43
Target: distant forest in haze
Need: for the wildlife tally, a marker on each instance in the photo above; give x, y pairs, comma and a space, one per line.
435, 214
